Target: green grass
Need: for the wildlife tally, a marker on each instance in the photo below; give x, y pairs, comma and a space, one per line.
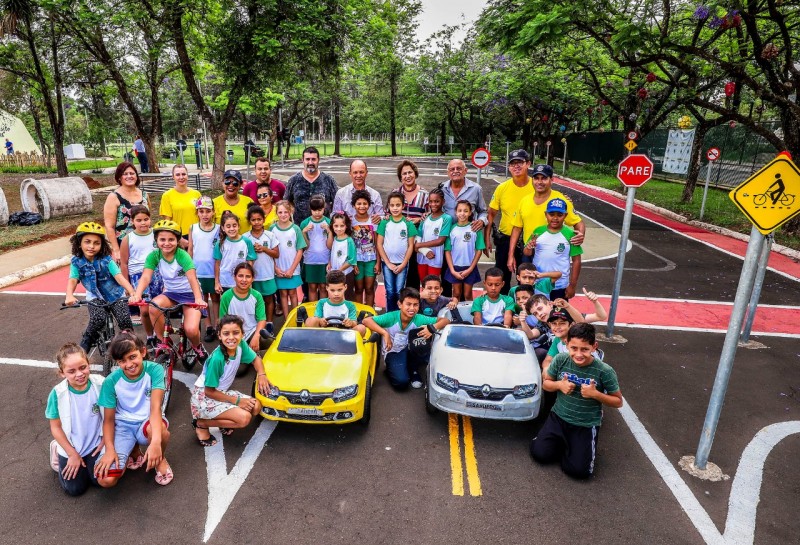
719, 209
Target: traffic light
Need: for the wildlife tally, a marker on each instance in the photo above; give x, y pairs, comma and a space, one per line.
285, 134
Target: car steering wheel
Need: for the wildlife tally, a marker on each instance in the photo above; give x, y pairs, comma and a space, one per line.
336, 321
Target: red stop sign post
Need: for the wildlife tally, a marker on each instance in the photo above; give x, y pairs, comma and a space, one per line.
633, 171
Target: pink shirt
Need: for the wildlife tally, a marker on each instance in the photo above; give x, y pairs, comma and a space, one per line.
278, 188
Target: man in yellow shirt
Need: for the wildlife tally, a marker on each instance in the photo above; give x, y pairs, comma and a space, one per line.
233, 201
506, 200
531, 214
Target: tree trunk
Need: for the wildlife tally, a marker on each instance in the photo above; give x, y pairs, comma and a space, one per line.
393, 110
60, 121
286, 151
694, 162
218, 138
152, 154
337, 126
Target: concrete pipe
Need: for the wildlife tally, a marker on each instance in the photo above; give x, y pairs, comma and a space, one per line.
56, 197
3, 208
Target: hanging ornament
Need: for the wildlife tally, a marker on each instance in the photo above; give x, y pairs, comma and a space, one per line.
685, 122
562, 128
769, 52
589, 111
732, 124
604, 102
527, 120
701, 13
651, 77
730, 89
642, 93
545, 117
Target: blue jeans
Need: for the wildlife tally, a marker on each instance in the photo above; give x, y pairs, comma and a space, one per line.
393, 282
400, 365
82, 480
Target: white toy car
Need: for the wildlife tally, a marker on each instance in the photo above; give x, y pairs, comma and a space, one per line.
485, 372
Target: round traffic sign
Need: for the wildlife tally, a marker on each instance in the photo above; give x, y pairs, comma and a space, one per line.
481, 157
635, 170
633, 135
181, 144
712, 154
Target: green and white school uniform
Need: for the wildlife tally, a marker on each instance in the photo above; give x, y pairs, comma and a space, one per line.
249, 308
80, 415
463, 243
264, 265
343, 250
230, 253
492, 310
131, 397
173, 273
219, 373
395, 238
344, 310
203, 243
431, 229
290, 241
554, 253
392, 324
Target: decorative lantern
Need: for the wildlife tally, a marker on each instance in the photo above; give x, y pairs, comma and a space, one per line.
651, 77
730, 89
642, 93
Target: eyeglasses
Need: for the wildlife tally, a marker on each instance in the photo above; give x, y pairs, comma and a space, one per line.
234, 183
263, 195
516, 163
455, 169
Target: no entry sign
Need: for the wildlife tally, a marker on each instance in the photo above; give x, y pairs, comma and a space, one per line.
481, 157
712, 154
635, 170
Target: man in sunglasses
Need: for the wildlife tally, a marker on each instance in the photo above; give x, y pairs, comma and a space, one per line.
232, 200
264, 175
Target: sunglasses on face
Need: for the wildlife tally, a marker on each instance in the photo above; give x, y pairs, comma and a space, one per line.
234, 183
263, 195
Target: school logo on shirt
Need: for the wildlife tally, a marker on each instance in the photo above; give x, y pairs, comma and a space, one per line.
560, 248
467, 236
181, 273
289, 243
403, 233
436, 231
241, 254
147, 392
338, 253
95, 409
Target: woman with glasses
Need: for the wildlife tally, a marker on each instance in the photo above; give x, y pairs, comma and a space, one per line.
233, 201
117, 209
415, 208
178, 204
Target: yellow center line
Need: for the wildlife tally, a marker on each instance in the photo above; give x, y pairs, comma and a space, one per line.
456, 468
469, 457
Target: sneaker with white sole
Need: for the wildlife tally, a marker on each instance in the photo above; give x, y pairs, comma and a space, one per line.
416, 381
54, 455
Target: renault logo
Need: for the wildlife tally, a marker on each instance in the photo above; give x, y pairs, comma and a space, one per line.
304, 395
486, 390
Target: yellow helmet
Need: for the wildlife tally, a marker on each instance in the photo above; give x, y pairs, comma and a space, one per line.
167, 225
91, 227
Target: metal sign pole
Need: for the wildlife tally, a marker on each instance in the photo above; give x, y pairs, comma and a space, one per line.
743, 293
507, 145
180, 149
705, 190
756, 295
547, 158
623, 246
479, 177
564, 160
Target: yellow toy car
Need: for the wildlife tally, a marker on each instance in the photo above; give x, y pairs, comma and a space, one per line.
320, 375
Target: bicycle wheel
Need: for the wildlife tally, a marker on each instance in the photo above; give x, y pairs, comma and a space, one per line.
103, 344
760, 200
164, 360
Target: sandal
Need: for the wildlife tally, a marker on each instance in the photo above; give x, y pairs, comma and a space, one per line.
210, 441
135, 464
227, 432
164, 478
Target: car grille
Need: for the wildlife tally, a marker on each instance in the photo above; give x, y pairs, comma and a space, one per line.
313, 399
495, 394
327, 417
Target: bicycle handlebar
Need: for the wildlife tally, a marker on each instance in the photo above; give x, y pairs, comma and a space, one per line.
148, 302
93, 302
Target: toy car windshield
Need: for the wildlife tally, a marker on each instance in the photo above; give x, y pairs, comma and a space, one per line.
318, 341
504, 341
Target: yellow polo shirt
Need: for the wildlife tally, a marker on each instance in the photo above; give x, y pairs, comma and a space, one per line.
220, 205
180, 207
506, 199
530, 215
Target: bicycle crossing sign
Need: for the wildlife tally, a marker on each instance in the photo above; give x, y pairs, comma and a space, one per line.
771, 196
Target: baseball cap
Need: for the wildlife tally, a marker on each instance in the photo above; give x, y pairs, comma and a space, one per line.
204, 202
235, 174
519, 155
545, 170
559, 313
557, 205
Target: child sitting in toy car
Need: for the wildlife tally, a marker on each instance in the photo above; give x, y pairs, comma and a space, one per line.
334, 310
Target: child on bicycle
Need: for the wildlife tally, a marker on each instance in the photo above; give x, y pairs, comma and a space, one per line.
291, 245
266, 248
76, 426
203, 236
133, 250
213, 402
131, 401
230, 250
93, 266
245, 302
180, 284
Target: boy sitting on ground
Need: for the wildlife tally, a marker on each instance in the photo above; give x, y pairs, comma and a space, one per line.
493, 307
583, 385
335, 306
432, 301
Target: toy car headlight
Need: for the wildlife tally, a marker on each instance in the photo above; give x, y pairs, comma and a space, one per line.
274, 392
525, 390
448, 383
348, 392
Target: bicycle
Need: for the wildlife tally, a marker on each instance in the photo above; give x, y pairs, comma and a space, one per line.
106, 333
167, 351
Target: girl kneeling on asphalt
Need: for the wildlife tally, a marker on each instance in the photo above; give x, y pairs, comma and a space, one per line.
214, 403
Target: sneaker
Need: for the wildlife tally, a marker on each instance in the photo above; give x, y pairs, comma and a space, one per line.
202, 355
211, 334
54, 455
302, 316
416, 381
151, 342
270, 329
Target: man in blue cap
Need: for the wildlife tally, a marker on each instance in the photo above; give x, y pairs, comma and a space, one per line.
531, 215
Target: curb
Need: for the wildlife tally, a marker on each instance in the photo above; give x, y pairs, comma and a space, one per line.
784, 250
33, 271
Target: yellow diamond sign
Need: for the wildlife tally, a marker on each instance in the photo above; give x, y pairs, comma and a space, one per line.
771, 196
630, 145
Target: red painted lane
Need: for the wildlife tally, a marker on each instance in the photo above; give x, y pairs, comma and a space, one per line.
737, 247
54, 281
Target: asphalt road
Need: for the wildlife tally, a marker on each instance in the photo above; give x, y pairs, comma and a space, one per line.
394, 481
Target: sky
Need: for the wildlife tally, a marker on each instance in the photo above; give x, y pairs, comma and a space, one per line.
437, 13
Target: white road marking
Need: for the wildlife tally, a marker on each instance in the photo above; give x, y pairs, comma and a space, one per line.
699, 329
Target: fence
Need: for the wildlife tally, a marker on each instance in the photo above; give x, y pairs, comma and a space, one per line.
22, 159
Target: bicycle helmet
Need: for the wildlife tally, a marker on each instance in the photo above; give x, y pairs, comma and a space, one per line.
167, 225
90, 227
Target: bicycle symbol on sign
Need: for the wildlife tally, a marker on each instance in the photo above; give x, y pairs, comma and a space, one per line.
776, 193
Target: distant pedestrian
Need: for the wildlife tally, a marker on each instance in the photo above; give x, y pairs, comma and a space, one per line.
9, 147
310, 181
141, 154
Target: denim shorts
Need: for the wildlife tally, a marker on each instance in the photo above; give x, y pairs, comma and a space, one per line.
128, 434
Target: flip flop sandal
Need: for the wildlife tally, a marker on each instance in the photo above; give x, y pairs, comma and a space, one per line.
210, 442
165, 478
227, 432
135, 464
